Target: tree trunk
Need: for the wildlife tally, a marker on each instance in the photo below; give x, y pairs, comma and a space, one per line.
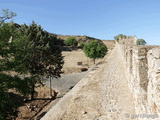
87, 62
33, 88
94, 60
50, 87
32, 92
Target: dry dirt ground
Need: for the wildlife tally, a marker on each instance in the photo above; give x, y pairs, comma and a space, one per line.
103, 97
29, 110
72, 74
72, 58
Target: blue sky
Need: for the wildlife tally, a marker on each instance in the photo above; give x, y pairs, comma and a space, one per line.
101, 19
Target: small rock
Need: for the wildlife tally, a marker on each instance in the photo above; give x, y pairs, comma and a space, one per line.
108, 110
83, 69
84, 112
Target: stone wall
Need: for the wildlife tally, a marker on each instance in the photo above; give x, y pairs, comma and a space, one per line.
143, 74
154, 80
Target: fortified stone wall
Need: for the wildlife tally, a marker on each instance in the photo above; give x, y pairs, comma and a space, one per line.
143, 74
154, 80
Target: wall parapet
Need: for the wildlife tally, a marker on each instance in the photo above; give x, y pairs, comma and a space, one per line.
143, 73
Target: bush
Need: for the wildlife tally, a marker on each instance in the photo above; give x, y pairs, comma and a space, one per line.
81, 45
71, 41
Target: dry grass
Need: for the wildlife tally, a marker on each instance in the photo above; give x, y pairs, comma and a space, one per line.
72, 58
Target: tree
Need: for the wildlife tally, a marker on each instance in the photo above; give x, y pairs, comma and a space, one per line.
26, 49
141, 42
54, 61
6, 14
7, 106
71, 41
36, 53
119, 36
95, 50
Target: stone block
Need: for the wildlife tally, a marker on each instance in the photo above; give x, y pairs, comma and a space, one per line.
156, 63
156, 52
79, 63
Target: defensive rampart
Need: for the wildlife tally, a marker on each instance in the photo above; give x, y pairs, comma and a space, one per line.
143, 74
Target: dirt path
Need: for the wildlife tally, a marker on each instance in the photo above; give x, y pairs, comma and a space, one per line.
104, 97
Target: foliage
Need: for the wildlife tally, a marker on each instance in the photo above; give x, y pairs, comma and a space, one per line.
119, 36
36, 53
5, 34
26, 49
7, 106
81, 45
141, 42
71, 41
95, 50
6, 14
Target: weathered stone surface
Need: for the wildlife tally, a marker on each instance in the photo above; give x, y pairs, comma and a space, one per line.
143, 73
154, 81
156, 52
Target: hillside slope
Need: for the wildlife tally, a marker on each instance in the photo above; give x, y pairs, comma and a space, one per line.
85, 39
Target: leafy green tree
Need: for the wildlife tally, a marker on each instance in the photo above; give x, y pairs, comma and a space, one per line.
6, 14
7, 106
95, 50
53, 59
36, 53
26, 49
141, 42
71, 41
119, 36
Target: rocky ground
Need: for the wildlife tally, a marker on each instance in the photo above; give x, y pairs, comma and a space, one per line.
105, 96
